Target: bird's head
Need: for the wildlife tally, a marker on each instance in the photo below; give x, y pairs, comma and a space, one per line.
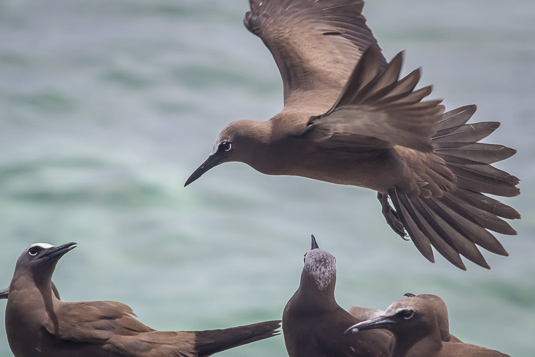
320, 266
39, 260
239, 141
408, 315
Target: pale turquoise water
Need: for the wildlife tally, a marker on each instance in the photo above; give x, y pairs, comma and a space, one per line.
107, 107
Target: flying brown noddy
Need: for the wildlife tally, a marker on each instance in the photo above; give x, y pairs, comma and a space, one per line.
38, 324
363, 126
414, 323
313, 323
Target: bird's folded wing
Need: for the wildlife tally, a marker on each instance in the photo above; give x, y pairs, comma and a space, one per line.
315, 43
377, 110
364, 313
93, 322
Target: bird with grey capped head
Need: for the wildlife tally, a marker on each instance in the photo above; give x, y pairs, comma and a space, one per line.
38, 324
364, 126
313, 323
418, 332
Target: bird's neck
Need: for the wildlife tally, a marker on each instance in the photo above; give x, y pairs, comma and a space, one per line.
273, 148
309, 299
257, 138
419, 342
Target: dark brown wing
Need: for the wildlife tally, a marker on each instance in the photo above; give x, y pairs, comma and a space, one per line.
111, 327
93, 322
315, 43
377, 110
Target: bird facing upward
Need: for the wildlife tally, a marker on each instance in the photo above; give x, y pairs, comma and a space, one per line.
313, 322
38, 324
414, 321
349, 119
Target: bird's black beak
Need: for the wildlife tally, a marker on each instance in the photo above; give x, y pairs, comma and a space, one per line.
378, 322
58, 251
212, 161
4, 293
314, 244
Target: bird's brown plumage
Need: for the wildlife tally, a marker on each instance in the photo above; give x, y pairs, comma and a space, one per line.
365, 126
313, 322
419, 325
38, 324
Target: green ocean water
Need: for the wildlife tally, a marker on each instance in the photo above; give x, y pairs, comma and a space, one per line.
107, 107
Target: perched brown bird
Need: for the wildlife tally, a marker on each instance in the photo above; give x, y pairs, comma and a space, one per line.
313, 323
38, 324
363, 126
414, 321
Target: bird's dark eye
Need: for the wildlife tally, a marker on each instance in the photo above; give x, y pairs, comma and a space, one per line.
224, 146
407, 314
33, 251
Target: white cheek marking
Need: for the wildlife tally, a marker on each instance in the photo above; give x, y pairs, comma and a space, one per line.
42, 245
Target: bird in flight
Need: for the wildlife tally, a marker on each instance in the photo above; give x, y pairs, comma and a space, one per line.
349, 119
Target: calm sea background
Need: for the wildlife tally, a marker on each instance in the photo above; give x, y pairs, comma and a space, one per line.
106, 107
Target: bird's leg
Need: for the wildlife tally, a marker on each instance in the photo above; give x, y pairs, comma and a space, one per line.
391, 216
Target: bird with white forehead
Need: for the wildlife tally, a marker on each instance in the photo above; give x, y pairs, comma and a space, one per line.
39, 324
419, 324
313, 322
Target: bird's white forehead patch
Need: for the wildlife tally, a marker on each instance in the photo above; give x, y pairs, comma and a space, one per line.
321, 266
42, 245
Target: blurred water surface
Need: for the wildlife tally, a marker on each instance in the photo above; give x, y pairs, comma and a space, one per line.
107, 107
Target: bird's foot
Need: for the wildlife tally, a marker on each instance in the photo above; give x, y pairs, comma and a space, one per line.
391, 216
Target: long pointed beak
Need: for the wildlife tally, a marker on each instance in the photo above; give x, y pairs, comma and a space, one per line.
378, 322
212, 161
314, 244
58, 251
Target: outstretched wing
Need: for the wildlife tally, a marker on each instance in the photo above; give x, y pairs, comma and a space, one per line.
460, 219
315, 43
377, 110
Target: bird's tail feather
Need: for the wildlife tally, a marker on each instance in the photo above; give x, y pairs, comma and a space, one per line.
213, 341
459, 220
4, 293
